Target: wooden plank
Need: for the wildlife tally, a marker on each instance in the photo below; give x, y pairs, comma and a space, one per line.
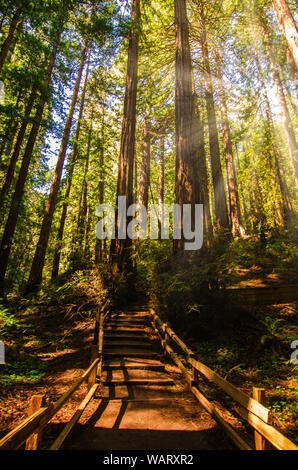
68, 428
37, 421
92, 376
247, 402
255, 413
100, 344
63, 399
236, 438
166, 329
272, 435
259, 395
15, 438
33, 442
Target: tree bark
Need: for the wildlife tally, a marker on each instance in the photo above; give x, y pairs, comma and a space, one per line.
121, 250
35, 276
184, 109
161, 184
145, 163
12, 28
234, 204
100, 244
202, 176
287, 26
221, 210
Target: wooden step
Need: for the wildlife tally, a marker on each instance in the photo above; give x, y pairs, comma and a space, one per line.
127, 344
165, 382
122, 330
130, 353
128, 336
137, 324
129, 319
152, 367
140, 363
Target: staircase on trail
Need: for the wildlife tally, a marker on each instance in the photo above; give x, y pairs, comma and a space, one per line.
142, 402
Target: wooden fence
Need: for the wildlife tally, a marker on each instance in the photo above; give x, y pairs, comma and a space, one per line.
29, 431
254, 412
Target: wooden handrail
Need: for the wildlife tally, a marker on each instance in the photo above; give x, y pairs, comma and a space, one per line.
76, 416
38, 420
256, 414
244, 400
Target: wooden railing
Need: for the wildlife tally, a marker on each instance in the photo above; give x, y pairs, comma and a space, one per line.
30, 430
254, 412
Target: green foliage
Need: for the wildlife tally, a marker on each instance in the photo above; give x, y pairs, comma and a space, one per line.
10, 323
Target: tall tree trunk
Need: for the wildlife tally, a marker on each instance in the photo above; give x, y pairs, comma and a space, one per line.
234, 204
17, 148
221, 210
203, 188
74, 155
184, 108
99, 245
12, 28
293, 69
84, 212
293, 150
287, 26
145, 163
11, 222
161, 183
286, 211
121, 250
35, 276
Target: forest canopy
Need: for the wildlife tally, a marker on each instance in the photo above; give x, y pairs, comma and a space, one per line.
173, 101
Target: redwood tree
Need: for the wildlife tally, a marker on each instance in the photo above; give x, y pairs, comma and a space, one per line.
121, 249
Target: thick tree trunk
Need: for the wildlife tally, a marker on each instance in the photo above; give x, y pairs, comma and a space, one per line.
202, 176
287, 26
35, 276
161, 184
121, 249
12, 28
293, 69
17, 148
221, 210
145, 163
292, 144
84, 212
74, 155
100, 245
234, 204
184, 109
20, 185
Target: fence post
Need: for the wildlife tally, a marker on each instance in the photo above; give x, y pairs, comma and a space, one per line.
259, 395
100, 343
34, 441
92, 376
